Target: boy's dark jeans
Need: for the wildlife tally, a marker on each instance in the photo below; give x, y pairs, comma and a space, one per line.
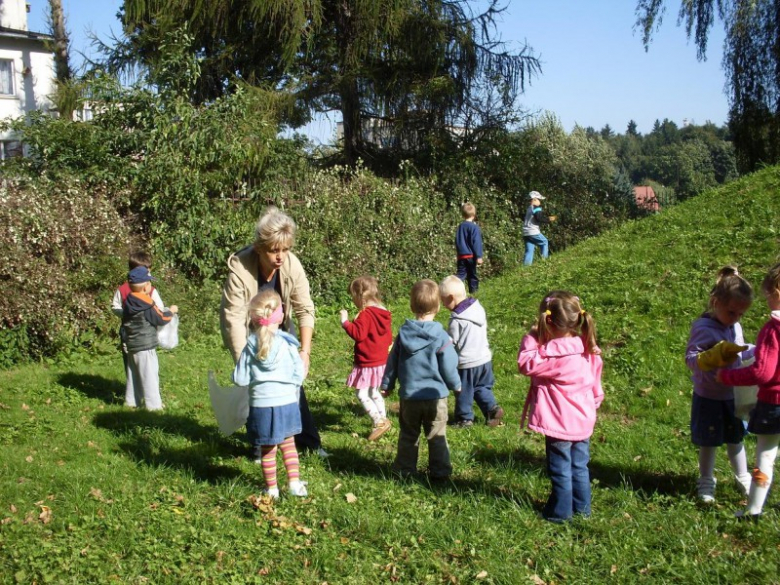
467, 272
476, 385
431, 417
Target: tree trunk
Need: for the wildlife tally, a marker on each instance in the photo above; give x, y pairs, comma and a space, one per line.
61, 54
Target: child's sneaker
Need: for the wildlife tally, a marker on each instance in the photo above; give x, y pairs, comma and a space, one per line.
380, 429
495, 415
743, 483
272, 493
257, 455
706, 489
463, 424
298, 489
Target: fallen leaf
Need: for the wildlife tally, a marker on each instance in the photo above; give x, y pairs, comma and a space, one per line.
29, 459
482, 575
25, 407
637, 458
337, 487
13, 509
613, 570
45, 515
351, 498
537, 580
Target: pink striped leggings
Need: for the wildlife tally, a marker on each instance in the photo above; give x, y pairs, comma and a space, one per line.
290, 457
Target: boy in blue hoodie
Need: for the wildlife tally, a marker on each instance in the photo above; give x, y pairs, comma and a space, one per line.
140, 320
424, 362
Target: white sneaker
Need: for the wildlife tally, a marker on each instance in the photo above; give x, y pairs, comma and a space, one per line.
298, 489
743, 483
272, 493
322, 453
706, 489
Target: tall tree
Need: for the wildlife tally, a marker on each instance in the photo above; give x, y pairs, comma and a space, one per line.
64, 99
414, 66
751, 62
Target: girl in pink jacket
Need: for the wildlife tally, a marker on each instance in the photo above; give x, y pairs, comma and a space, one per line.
562, 359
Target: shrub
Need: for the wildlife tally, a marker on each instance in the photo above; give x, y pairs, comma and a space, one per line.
61, 245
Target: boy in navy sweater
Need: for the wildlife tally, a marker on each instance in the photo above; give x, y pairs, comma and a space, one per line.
468, 245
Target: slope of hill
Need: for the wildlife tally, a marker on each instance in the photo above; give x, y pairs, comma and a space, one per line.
91, 492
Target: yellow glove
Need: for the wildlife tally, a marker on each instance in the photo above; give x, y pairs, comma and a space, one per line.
719, 355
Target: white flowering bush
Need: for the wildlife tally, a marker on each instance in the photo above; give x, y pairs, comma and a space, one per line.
61, 244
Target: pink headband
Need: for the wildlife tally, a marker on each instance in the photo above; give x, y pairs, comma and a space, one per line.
272, 319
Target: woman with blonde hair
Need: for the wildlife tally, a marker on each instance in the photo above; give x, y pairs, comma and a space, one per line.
269, 264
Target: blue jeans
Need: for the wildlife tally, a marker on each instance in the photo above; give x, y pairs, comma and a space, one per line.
476, 385
531, 242
567, 465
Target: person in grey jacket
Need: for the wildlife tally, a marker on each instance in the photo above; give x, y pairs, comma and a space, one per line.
532, 233
468, 330
423, 361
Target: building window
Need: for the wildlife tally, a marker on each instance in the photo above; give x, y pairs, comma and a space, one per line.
10, 149
6, 77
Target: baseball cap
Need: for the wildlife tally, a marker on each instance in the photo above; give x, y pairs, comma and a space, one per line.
535, 195
138, 275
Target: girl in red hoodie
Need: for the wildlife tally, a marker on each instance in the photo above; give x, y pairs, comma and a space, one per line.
373, 334
765, 417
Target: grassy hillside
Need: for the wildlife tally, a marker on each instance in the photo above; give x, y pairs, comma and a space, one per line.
93, 493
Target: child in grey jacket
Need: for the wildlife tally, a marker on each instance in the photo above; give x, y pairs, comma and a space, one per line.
424, 362
468, 330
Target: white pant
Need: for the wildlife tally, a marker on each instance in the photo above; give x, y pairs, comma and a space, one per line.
143, 380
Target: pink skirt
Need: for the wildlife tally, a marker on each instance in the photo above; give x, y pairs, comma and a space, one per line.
361, 378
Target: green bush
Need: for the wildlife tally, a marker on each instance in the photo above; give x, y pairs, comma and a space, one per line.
60, 244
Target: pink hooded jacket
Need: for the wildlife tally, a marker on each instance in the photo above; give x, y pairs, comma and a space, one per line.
565, 387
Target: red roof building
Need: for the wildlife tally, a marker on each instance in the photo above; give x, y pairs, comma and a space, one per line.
645, 198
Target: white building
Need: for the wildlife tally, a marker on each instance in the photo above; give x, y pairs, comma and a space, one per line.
26, 69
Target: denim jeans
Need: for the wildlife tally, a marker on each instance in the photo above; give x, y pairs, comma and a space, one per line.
476, 385
567, 465
531, 242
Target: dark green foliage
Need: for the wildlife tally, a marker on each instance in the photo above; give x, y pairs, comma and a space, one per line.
751, 62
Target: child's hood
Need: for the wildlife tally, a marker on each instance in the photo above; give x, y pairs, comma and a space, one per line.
278, 344
470, 310
562, 346
415, 336
381, 318
706, 322
138, 302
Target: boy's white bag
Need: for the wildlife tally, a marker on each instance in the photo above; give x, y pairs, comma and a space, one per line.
230, 404
168, 334
745, 397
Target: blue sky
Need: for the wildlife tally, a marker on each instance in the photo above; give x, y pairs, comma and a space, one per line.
595, 69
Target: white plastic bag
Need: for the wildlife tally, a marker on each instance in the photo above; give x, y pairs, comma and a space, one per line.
745, 397
168, 334
230, 404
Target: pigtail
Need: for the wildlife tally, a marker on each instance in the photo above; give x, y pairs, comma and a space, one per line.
588, 329
265, 309
264, 340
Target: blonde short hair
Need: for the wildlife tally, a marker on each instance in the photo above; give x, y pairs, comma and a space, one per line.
468, 211
424, 298
274, 228
452, 286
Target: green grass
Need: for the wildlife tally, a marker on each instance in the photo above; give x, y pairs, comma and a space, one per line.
93, 493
